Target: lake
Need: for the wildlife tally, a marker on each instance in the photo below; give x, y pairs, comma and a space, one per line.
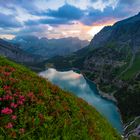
78, 85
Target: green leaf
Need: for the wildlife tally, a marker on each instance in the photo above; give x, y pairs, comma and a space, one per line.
37, 121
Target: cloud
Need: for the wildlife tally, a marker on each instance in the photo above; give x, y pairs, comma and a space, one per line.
98, 11
129, 1
9, 21
63, 15
34, 16
25, 4
130, 6
49, 21
95, 16
32, 30
103, 4
66, 11
55, 21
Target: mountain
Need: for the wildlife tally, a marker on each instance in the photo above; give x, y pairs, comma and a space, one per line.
112, 61
125, 32
14, 53
49, 47
32, 108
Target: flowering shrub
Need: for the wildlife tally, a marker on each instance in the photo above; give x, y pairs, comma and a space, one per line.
13, 102
6, 111
33, 108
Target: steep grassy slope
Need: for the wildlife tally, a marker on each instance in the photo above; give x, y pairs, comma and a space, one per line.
129, 103
129, 100
133, 70
32, 108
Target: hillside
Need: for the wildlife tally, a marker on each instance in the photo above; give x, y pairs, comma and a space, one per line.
49, 47
33, 108
13, 52
112, 62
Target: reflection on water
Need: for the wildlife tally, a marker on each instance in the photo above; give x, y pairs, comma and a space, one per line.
78, 85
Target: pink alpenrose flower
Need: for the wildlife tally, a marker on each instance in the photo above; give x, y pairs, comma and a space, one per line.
21, 130
7, 110
9, 125
14, 117
14, 105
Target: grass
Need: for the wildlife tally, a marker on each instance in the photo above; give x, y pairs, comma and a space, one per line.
130, 73
132, 137
32, 108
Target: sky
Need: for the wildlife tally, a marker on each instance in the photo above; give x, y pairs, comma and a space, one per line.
62, 18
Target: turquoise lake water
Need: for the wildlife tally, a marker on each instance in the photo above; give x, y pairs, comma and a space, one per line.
78, 85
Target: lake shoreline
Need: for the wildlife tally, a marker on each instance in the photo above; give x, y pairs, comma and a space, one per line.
103, 94
100, 93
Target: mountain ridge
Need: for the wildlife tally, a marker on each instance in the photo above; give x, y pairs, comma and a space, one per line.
121, 32
14, 52
49, 47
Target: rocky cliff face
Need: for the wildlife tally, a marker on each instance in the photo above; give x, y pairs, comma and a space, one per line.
102, 37
125, 32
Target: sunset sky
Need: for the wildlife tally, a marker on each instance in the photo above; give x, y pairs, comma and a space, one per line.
62, 18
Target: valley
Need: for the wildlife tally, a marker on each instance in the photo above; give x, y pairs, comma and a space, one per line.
70, 70
113, 64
